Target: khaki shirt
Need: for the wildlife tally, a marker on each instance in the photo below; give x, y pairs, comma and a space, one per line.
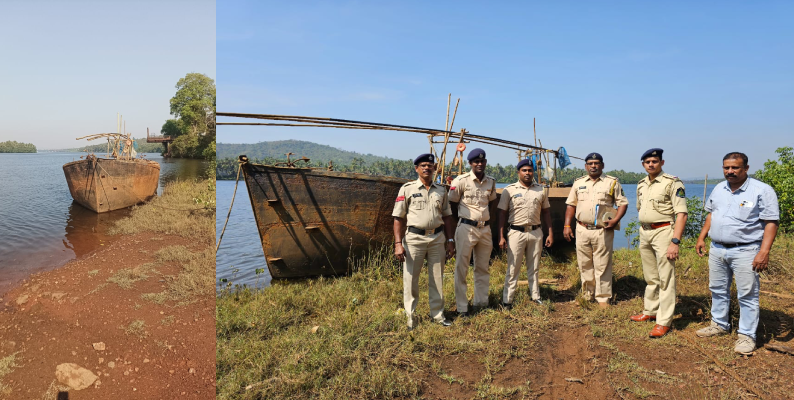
587, 193
661, 199
423, 208
523, 204
473, 196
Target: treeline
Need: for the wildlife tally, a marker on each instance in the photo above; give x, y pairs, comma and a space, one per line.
227, 169
16, 147
278, 150
141, 147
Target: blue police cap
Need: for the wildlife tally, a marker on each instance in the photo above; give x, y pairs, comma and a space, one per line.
427, 157
655, 152
523, 163
594, 156
476, 153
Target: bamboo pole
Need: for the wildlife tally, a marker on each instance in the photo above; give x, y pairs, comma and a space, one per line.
705, 184
446, 124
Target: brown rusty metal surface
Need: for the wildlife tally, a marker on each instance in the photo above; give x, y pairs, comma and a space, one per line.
314, 222
103, 185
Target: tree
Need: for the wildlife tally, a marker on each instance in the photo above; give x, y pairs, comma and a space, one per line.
193, 108
194, 103
780, 176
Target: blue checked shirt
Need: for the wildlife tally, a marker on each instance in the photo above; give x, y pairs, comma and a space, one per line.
736, 216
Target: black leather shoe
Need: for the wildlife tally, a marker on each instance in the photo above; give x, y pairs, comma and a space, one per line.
463, 314
538, 301
444, 322
507, 306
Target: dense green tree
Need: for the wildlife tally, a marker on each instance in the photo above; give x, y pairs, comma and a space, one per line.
16, 147
780, 175
193, 108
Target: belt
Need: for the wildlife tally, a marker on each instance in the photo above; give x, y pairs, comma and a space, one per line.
588, 226
732, 245
654, 225
478, 224
425, 232
523, 228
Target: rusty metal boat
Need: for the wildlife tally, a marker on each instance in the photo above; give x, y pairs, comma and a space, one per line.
318, 222
119, 181
311, 222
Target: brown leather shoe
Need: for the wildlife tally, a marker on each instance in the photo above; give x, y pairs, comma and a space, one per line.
642, 318
659, 331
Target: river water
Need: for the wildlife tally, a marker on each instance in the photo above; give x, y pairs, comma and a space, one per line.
41, 227
241, 255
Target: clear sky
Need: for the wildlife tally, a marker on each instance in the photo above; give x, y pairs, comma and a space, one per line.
68, 67
698, 79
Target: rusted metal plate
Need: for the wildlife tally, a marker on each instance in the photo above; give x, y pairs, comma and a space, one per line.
103, 185
314, 222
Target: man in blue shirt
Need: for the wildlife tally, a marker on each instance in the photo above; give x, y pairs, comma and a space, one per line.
742, 223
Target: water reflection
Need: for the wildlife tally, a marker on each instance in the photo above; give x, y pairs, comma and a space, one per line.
42, 228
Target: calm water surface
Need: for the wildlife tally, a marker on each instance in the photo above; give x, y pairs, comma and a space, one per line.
41, 227
240, 254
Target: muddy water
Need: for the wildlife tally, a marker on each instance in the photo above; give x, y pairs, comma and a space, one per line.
41, 227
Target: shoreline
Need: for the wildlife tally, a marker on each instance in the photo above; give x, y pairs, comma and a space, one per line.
137, 314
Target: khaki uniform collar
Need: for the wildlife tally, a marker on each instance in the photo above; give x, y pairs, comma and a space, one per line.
422, 184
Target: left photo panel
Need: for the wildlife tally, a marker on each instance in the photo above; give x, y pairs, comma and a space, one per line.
107, 224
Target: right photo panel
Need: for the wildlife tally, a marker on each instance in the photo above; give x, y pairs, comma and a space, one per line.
469, 200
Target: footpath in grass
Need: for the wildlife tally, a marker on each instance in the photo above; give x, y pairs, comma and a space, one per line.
132, 320
345, 337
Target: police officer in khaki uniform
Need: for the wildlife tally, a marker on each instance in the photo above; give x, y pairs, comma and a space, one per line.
661, 202
423, 207
520, 208
590, 195
473, 191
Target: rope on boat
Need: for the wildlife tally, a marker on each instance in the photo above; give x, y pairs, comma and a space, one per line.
236, 181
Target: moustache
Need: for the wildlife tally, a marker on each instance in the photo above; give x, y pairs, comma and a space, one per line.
730, 176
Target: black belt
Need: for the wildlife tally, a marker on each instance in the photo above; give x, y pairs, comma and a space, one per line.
732, 245
425, 232
478, 224
522, 228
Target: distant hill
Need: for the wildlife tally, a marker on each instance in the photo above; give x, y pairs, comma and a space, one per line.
278, 149
102, 146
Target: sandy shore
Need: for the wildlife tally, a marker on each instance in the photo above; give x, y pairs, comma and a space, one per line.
70, 314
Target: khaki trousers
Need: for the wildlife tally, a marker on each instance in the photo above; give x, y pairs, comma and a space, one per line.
470, 239
594, 255
659, 274
521, 245
417, 249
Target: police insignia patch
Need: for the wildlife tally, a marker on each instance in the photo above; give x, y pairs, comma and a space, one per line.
452, 188
680, 193
399, 198
417, 195
517, 195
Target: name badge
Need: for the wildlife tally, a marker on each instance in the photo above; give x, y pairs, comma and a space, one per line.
746, 204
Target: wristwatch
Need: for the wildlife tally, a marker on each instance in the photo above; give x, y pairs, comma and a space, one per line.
451, 240
675, 241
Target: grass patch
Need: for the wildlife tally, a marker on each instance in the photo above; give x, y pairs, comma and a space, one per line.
127, 277
7, 364
167, 320
195, 280
174, 213
93, 273
361, 349
136, 328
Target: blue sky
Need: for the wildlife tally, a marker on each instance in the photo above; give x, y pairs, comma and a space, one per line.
614, 77
69, 67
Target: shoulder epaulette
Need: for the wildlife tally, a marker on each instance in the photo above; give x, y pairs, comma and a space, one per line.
611, 177
409, 183
675, 178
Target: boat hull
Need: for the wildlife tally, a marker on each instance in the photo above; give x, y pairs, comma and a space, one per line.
314, 222
103, 185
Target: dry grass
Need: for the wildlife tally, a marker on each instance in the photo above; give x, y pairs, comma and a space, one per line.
195, 280
7, 365
361, 349
125, 278
173, 213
